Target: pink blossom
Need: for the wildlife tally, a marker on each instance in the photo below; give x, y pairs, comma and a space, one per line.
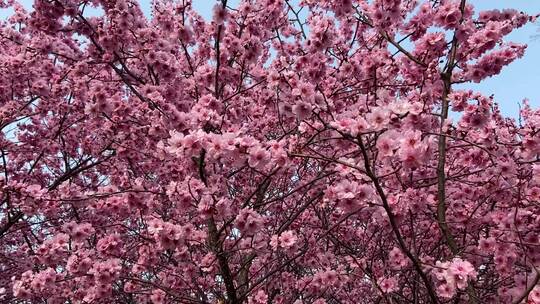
397, 258
220, 14
287, 239
259, 298
258, 157
302, 110
386, 144
276, 152
158, 296
378, 118
446, 290
534, 296
388, 285
449, 15
248, 221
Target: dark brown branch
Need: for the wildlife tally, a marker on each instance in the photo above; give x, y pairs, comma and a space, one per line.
215, 245
391, 217
12, 221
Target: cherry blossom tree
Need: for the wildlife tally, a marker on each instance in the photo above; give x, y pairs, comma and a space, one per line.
313, 151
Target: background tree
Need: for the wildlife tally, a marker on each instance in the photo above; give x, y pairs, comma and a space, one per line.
264, 157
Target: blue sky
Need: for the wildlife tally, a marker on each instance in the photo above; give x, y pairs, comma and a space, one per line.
517, 81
